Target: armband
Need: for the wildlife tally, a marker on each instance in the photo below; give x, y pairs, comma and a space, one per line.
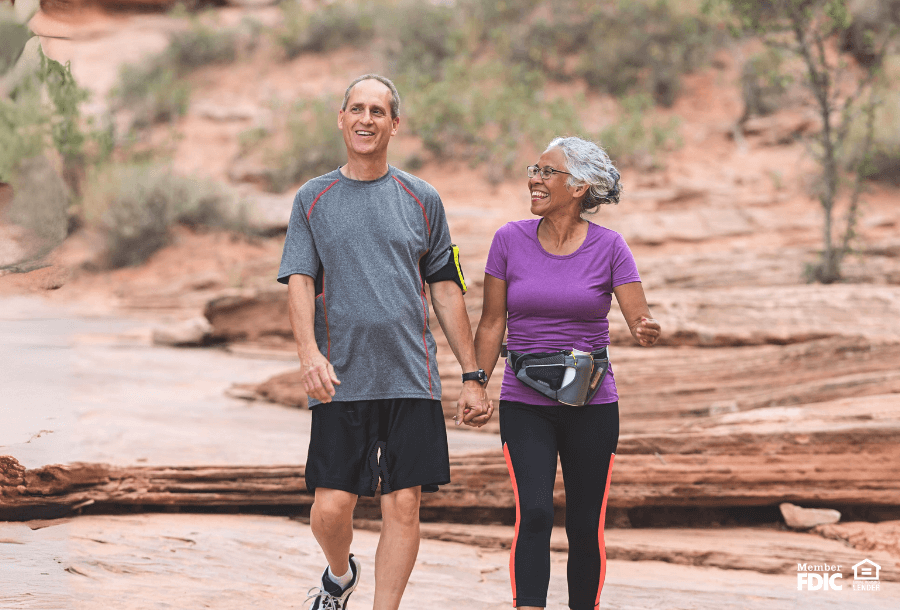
452, 271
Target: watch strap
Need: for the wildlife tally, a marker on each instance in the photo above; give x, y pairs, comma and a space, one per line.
478, 376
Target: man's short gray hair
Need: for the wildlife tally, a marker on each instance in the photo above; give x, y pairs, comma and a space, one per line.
589, 164
395, 96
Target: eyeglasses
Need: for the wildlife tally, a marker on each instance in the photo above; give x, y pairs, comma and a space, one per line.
545, 172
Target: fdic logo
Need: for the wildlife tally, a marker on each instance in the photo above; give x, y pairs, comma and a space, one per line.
823, 577
808, 576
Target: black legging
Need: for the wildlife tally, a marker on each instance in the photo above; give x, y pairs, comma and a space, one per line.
585, 439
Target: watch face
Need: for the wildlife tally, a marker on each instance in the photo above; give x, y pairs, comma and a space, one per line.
480, 376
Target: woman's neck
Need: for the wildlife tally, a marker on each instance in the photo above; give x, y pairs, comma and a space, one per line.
562, 234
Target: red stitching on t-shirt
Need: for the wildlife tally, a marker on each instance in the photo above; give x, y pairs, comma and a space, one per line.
308, 214
325, 312
425, 329
424, 213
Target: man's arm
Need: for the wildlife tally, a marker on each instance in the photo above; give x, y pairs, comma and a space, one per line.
318, 374
450, 309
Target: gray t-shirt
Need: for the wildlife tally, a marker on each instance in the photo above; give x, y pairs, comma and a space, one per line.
364, 241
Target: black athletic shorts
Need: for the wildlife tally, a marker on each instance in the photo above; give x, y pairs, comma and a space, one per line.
401, 442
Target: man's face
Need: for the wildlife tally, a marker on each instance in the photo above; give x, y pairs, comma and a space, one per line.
367, 122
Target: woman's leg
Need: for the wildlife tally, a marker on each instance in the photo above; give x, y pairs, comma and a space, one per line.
587, 447
529, 444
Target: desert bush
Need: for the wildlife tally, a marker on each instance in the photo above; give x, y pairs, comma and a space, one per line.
13, 37
39, 206
882, 161
134, 206
487, 113
637, 136
620, 47
156, 91
421, 36
326, 28
42, 113
200, 46
315, 145
764, 83
872, 22
649, 43
153, 93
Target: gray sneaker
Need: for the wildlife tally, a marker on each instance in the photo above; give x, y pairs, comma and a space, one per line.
330, 596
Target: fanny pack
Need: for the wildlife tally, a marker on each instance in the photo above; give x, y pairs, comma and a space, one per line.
546, 372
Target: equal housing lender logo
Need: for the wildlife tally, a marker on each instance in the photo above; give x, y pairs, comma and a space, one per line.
828, 577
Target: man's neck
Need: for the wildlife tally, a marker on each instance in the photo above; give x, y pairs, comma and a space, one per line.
365, 170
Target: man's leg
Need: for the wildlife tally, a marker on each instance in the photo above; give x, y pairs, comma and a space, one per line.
397, 547
331, 521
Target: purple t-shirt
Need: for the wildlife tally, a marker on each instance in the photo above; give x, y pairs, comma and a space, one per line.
553, 301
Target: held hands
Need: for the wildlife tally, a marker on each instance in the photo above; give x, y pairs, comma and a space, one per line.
473, 407
318, 377
646, 331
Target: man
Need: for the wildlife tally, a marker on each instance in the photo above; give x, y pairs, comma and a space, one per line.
362, 243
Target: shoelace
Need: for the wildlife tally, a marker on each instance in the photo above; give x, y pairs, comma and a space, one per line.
329, 601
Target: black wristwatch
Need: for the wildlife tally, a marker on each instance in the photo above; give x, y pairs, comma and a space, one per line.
478, 376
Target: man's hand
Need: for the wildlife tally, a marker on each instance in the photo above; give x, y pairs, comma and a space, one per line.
318, 377
473, 407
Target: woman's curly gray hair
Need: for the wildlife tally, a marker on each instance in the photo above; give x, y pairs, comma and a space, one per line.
589, 164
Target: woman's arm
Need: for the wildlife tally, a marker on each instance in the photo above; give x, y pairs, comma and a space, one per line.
492, 326
634, 308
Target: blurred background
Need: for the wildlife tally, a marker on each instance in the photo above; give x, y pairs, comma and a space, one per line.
149, 153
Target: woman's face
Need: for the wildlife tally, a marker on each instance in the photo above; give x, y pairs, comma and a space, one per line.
549, 195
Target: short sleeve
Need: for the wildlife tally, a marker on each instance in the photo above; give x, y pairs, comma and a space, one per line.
299, 255
624, 269
497, 255
439, 237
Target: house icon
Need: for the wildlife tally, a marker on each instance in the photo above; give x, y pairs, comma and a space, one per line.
864, 570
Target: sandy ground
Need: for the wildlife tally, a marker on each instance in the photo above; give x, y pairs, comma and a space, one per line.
188, 562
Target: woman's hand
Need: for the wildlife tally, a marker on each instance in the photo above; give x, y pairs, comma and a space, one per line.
646, 331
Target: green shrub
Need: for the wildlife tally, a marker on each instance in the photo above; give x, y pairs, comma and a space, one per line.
488, 113
764, 83
13, 37
884, 158
421, 36
156, 91
42, 113
153, 93
637, 136
326, 28
200, 46
645, 42
135, 206
871, 24
315, 145
39, 206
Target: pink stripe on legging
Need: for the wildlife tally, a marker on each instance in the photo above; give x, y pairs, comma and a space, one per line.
512, 552
600, 539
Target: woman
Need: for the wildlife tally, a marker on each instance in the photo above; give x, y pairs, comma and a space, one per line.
551, 279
